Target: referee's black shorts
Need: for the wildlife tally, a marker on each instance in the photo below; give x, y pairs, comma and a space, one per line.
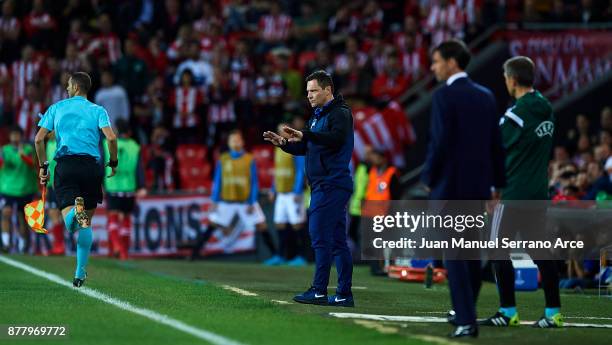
78, 176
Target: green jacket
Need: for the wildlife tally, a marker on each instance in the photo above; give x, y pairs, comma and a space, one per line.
361, 184
126, 175
17, 178
527, 131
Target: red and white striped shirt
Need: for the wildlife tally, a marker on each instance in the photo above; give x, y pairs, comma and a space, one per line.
341, 62
72, 65
203, 26
56, 93
7, 25
445, 23
372, 26
388, 130
244, 85
469, 8
34, 22
22, 73
186, 100
241, 70
275, 28
4, 74
174, 49
208, 43
379, 62
413, 63
221, 107
400, 40
26, 117
221, 112
270, 88
108, 44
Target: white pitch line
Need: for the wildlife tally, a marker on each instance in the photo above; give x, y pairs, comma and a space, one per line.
432, 312
239, 291
280, 302
587, 317
149, 314
389, 317
576, 317
433, 319
437, 340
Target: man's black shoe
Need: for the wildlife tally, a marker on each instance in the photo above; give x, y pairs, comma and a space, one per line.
465, 331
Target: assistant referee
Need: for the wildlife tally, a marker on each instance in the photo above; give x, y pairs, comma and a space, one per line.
527, 130
77, 123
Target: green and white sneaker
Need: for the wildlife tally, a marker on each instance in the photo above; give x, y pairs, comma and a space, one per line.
79, 212
501, 320
556, 321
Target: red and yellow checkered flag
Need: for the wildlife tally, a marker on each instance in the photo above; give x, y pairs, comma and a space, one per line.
35, 214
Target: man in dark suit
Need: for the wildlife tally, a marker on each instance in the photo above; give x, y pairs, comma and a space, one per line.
465, 161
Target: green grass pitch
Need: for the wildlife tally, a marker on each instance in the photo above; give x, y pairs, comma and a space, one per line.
193, 293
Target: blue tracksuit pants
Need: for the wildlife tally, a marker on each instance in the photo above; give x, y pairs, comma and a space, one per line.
327, 227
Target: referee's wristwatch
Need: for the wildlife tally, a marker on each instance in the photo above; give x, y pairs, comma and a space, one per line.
113, 163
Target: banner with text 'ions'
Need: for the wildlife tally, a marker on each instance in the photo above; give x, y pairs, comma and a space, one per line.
160, 222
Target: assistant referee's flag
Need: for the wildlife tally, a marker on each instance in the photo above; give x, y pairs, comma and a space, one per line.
35, 212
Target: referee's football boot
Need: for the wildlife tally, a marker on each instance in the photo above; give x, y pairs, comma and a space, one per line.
500, 320
78, 282
556, 321
311, 296
79, 212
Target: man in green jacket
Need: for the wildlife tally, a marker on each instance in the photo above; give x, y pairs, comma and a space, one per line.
360, 178
121, 191
18, 184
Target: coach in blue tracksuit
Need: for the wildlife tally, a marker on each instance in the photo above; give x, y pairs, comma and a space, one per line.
465, 161
327, 144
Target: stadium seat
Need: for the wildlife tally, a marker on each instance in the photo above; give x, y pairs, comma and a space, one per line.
191, 152
193, 167
264, 160
145, 155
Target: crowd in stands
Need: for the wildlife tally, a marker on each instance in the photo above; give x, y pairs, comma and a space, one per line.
184, 73
581, 168
187, 72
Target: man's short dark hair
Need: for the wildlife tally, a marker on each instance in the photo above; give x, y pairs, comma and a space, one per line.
455, 49
16, 129
323, 79
522, 69
82, 80
123, 126
235, 132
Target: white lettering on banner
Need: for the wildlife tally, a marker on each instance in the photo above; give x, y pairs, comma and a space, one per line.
159, 222
564, 44
573, 56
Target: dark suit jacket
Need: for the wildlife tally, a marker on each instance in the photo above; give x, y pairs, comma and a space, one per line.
465, 157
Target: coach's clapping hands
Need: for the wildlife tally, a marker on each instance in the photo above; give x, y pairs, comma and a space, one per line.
293, 134
274, 138
278, 140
